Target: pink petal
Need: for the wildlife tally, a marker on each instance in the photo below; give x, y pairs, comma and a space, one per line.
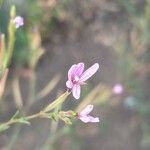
69, 84
93, 119
79, 69
19, 21
89, 72
86, 110
71, 71
75, 70
84, 119
76, 91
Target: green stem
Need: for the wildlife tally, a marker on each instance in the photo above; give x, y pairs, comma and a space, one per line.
11, 37
42, 114
11, 42
13, 121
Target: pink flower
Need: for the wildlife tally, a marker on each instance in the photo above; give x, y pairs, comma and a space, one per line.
118, 89
19, 21
77, 77
85, 117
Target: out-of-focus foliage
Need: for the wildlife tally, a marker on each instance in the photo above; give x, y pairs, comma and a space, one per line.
133, 66
134, 54
38, 15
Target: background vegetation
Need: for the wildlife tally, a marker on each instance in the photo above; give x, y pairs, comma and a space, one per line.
57, 34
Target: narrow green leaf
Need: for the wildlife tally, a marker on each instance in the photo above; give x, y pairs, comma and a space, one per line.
57, 102
3, 127
15, 115
24, 121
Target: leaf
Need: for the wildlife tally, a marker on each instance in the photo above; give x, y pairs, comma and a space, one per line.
3, 127
24, 121
57, 102
15, 115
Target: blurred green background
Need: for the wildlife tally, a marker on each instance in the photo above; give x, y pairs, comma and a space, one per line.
114, 33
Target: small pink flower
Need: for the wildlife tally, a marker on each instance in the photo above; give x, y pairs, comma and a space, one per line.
76, 77
118, 89
85, 117
19, 21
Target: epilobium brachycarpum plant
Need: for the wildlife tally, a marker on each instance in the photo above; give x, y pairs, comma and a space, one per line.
74, 72
76, 78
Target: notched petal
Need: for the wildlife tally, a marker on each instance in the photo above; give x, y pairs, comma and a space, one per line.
84, 119
79, 69
87, 110
89, 72
69, 84
93, 119
71, 71
76, 91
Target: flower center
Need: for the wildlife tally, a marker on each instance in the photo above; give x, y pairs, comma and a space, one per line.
76, 79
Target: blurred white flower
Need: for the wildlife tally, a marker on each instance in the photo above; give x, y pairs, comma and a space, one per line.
19, 21
118, 89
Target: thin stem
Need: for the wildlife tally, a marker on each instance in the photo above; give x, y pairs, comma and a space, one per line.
13, 121
11, 41
42, 114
